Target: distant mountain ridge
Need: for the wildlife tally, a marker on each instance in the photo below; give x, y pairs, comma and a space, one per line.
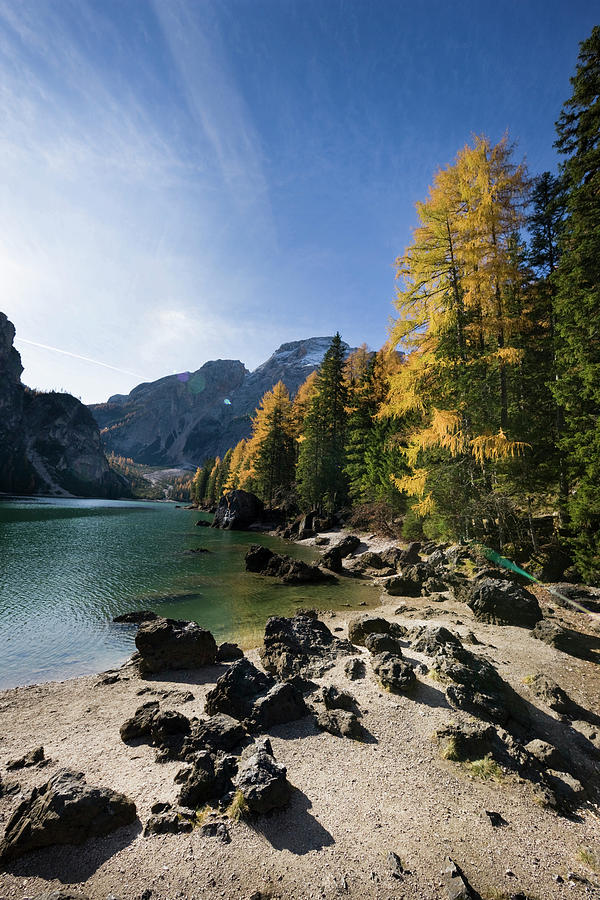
180, 420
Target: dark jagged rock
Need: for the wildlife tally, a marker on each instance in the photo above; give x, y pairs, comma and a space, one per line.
136, 618
340, 722
237, 510
332, 559
457, 886
258, 558
291, 571
170, 821
333, 698
348, 545
205, 780
407, 584
433, 585
25, 762
227, 652
361, 626
551, 694
427, 639
562, 593
383, 643
220, 732
263, 783
355, 669
467, 740
166, 644
216, 829
8, 788
477, 688
370, 563
302, 645
393, 672
64, 810
551, 633
503, 603
140, 724
237, 689
282, 703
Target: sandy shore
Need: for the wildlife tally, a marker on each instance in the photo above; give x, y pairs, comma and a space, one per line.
353, 804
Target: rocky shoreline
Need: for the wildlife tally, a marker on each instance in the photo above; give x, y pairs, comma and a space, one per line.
445, 745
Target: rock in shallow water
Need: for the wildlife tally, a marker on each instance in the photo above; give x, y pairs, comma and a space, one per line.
166, 644
64, 810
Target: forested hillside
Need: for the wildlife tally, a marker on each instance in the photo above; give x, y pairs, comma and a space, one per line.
480, 419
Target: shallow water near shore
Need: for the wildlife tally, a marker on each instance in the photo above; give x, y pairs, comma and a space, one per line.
67, 567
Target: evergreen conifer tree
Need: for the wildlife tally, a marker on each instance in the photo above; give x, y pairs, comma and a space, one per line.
577, 304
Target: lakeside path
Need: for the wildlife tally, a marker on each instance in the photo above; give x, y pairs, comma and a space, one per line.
353, 804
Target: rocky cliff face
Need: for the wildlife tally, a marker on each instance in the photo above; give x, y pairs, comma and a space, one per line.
49, 443
15, 470
183, 419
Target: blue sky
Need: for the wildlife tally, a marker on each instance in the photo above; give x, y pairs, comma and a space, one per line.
185, 180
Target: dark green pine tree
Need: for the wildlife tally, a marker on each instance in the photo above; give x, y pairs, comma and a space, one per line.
372, 454
577, 307
320, 473
545, 224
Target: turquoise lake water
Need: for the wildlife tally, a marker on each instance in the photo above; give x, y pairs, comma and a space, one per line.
67, 567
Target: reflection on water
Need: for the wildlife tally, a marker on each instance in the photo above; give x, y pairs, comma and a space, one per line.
68, 566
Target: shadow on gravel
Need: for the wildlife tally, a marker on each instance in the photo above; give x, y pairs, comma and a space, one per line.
293, 829
579, 644
430, 696
189, 677
71, 864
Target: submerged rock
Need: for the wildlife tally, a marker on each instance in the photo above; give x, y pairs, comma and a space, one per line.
302, 645
136, 618
263, 561
166, 644
64, 810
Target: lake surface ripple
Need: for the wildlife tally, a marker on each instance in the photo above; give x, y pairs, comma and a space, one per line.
67, 567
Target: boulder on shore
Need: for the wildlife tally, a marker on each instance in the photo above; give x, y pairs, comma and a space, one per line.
263, 783
237, 510
64, 810
502, 602
361, 626
302, 645
166, 644
250, 695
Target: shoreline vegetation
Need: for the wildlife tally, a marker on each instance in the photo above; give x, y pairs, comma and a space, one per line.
388, 777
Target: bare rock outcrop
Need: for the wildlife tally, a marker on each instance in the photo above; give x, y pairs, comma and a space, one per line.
64, 810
